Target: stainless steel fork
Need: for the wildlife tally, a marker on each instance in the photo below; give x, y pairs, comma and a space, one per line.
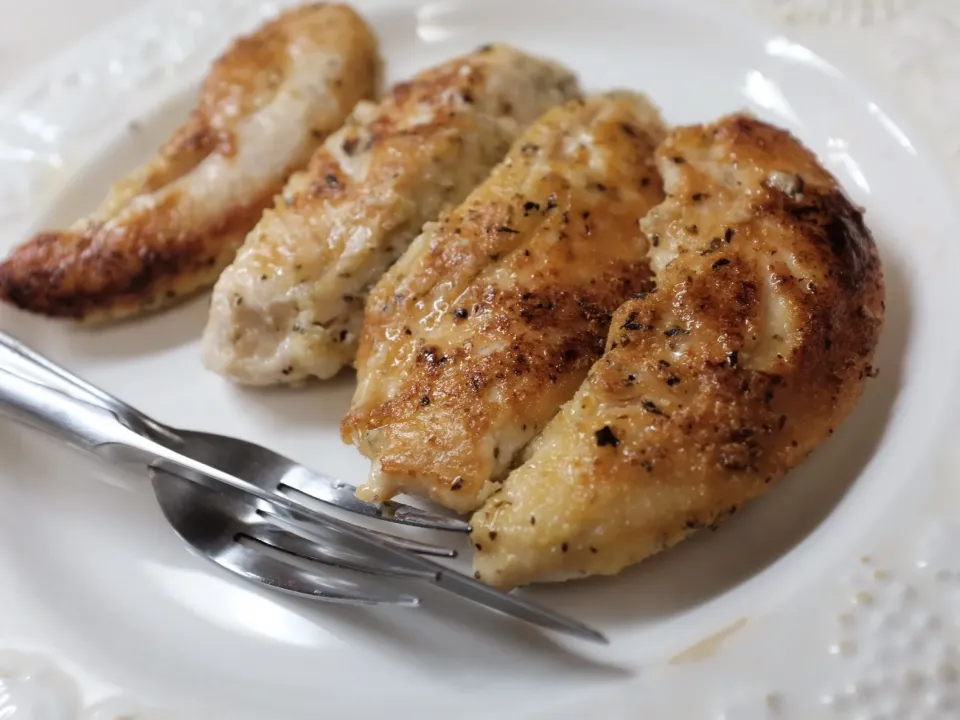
285, 474
250, 512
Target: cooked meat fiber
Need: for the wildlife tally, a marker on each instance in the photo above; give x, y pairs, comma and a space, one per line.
491, 320
291, 305
168, 229
753, 349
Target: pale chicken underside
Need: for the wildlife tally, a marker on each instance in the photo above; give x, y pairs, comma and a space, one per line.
169, 228
291, 306
751, 351
489, 323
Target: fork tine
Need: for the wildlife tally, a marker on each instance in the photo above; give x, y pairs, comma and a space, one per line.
258, 563
510, 604
416, 546
371, 542
516, 606
224, 532
343, 495
328, 554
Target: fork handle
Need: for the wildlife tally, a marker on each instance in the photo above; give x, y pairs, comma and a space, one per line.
88, 426
59, 378
78, 423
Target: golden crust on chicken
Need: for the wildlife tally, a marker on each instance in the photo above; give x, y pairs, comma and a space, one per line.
170, 227
752, 350
490, 322
291, 306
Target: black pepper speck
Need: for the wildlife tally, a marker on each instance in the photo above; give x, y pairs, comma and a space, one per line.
651, 407
632, 323
606, 437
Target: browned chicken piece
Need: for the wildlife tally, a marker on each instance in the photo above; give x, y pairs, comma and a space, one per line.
751, 351
168, 229
490, 322
291, 306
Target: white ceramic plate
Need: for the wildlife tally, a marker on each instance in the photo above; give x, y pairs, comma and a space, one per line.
118, 617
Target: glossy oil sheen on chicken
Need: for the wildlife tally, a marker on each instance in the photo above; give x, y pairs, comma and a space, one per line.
753, 348
490, 322
170, 228
291, 305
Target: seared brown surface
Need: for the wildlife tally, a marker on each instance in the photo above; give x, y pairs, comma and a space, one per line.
170, 227
477, 336
291, 306
753, 349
